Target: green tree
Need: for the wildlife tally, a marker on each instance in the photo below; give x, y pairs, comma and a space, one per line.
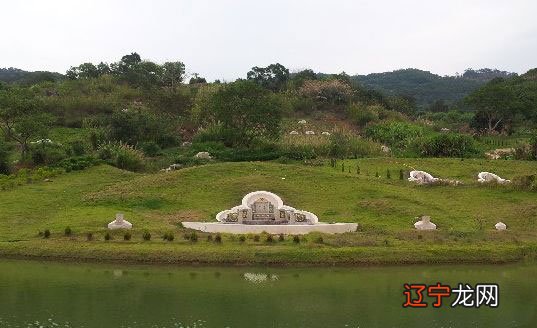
173, 73
20, 118
246, 111
273, 77
495, 102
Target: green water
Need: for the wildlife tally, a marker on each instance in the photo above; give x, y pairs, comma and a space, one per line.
84, 295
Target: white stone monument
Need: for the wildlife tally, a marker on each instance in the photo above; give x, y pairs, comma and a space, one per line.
293, 132
310, 132
302, 122
486, 177
500, 226
422, 177
119, 223
263, 211
203, 155
325, 133
425, 223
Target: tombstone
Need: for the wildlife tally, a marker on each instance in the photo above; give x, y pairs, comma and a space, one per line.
486, 177
310, 132
385, 149
186, 144
500, 226
203, 155
445, 130
302, 122
325, 133
293, 132
425, 223
119, 223
422, 177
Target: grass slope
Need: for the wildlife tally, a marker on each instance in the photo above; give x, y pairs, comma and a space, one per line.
384, 208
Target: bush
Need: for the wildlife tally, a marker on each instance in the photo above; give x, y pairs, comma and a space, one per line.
218, 238
396, 134
46, 234
526, 182
210, 238
45, 153
296, 239
127, 236
170, 237
151, 149
122, 156
107, 236
280, 237
449, 145
4, 158
319, 240
67, 231
146, 236
242, 238
270, 239
77, 163
89, 236
256, 238
193, 237
77, 147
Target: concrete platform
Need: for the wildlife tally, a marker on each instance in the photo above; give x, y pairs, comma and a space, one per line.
286, 229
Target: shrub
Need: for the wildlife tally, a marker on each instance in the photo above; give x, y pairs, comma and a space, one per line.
296, 239
77, 147
46, 234
77, 163
4, 158
218, 238
401, 174
210, 238
67, 231
89, 236
319, 240
193, 237
151, 149
388, 174
45, 153
186, 236
449, 145
107, 236
270, 239
525, 182
242, 238
122, 156
281, 237
146, 236
127, 236
256, 238
170, 237
396, 134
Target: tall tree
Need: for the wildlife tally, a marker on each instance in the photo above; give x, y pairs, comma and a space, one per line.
273, 77
173, 73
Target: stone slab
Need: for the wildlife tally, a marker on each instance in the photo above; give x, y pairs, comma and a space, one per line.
286, 229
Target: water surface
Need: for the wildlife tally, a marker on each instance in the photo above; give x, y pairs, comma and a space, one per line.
36, 294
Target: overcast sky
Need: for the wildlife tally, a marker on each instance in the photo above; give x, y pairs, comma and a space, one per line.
222, 39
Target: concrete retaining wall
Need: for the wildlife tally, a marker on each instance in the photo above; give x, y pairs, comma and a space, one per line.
286, 229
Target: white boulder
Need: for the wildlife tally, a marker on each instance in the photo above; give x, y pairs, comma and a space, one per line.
302, 122
186, 144
325, 133
119, 223
500, 226
385, 149
485, 177
293, 132
310, 132
422, 177
203, 155
425, 223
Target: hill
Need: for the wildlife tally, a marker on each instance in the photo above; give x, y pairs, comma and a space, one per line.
385, 210
427, 87
16, 75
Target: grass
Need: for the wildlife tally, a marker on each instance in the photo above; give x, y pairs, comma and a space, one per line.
385, 210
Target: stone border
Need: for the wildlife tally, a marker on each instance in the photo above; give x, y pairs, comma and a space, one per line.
286, 229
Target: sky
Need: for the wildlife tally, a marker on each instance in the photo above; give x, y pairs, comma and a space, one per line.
223, 39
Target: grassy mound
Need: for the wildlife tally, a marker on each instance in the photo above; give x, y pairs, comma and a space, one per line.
385, 209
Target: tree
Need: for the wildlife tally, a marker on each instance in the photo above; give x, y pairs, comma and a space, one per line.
20, 118
196, 79
246, 111
335, 92
4, 158
495, 102
273, 77
173, 73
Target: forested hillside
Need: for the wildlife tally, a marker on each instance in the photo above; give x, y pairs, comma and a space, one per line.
16, 75
426, 87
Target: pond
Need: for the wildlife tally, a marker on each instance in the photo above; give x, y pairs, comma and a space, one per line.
47, 294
